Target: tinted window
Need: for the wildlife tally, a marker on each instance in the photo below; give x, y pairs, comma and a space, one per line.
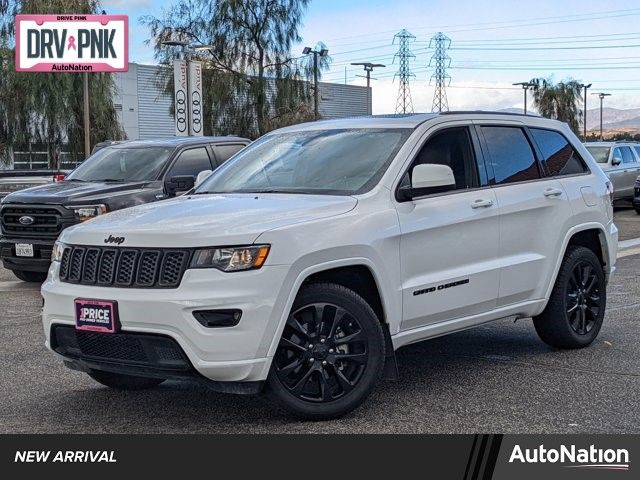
191, 162
123, 164
330, 162
617, 156
600, 154
627, 155
510, 155
558, 155
453, 148
637, 149
225, 152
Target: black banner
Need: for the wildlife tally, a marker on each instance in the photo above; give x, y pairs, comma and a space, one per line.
472, 457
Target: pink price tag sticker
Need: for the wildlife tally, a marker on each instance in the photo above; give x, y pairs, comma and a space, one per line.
72, 43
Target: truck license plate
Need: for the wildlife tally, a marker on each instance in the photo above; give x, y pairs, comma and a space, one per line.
24, 250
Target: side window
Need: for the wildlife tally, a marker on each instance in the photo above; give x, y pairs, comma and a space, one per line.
451, 147
627, 155
510, 155
559, 156
225, 152
637, 149
191, 162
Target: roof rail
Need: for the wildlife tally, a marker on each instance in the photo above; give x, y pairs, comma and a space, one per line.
492, 112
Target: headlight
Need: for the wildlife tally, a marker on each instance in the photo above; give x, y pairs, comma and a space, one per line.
87, 212
58, 250
231, 259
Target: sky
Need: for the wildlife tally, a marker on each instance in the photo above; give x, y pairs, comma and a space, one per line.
493, 45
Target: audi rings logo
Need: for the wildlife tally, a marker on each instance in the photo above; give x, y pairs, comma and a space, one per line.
181, 111
196, 112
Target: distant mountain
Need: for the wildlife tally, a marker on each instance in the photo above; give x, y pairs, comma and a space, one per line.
613, 118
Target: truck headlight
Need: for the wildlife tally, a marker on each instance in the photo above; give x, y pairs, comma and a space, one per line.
87, 212
231, 259
58, 250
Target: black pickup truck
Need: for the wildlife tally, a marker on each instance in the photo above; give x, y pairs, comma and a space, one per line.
114, 177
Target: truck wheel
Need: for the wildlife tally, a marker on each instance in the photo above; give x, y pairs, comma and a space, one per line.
124, 382
574, 314
331, 353
35, 277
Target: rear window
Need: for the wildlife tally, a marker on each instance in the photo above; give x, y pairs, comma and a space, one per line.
510, 155
600, 154
558, 155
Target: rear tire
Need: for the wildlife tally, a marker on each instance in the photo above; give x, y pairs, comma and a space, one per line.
124, 382
33, 277
573, 317
331, 353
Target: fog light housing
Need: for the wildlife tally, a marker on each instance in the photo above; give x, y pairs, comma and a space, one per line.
218, 318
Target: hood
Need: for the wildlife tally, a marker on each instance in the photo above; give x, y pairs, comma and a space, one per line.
74, 192
206, 220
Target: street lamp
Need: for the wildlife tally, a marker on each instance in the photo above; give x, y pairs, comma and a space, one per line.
368, 68
525, 86
601, 95
584, 113
316, 53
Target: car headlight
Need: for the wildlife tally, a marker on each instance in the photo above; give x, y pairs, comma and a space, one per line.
58, 250
231, 259
87, 212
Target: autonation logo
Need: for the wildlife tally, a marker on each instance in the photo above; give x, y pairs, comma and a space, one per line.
573, 457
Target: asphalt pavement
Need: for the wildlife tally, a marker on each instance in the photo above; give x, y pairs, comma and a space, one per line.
495, 378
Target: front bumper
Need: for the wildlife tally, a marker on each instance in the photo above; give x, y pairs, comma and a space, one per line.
223, 354
38, 263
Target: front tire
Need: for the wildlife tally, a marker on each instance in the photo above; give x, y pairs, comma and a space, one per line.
124, 382
331, 353
32, 277
573, 317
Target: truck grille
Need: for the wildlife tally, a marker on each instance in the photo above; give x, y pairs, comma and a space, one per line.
39, 221
124, 267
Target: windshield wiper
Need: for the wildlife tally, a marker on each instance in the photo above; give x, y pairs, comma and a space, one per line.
73, 180
109, 180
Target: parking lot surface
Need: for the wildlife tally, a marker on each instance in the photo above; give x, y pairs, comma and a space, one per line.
498, 377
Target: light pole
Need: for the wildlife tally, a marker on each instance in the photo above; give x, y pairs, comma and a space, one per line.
584, 113
525, 86
316, 53
368, 68
601, 95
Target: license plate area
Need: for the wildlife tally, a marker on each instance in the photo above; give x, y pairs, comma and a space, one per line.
24, 250
96, 315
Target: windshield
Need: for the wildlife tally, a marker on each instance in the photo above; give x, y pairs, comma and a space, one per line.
600, 154
118, 164
331, 162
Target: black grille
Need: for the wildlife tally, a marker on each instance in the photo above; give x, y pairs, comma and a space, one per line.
124, 267
150, 350
38, 220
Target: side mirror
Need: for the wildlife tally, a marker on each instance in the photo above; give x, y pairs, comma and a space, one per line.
427, 179
616, 161
202, 176
179, 183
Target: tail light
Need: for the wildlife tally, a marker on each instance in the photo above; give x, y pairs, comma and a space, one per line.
59, 177
610, 191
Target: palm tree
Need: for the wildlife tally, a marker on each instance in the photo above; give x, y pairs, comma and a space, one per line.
559, 101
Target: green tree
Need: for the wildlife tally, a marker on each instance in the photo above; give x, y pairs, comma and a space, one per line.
47, 108
252, 83
560, 101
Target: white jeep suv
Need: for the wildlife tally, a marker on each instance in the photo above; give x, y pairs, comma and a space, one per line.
304, 262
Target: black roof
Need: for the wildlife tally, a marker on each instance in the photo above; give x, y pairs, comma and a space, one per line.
179, 141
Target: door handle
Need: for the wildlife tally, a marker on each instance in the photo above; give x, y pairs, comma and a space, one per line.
552, 192
481, 203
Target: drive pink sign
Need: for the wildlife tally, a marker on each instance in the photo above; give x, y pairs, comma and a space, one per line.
72, 43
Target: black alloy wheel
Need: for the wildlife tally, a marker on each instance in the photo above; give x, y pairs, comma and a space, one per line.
322, 353
331, 353
584, 301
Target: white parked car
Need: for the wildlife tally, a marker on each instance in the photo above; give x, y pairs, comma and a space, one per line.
620, 161
307, 260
